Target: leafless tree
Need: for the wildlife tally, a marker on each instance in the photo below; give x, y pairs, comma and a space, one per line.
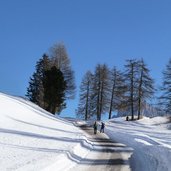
100, 90
117, 90
60, 59
145, 85
85, 101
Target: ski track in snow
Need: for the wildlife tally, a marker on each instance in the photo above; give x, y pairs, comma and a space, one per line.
151, 142
32, 139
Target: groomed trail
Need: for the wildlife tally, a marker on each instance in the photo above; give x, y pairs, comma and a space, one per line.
105, 155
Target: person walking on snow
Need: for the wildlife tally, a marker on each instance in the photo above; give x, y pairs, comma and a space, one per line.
102, 127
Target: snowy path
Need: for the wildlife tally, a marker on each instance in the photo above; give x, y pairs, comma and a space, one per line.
33, 139
149, 140
105, 154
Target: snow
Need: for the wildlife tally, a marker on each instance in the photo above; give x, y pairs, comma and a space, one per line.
150, 140
32, 139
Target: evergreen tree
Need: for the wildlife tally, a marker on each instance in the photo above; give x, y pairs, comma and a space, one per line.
85, 101
54, 90
35, 90
32, 90
165, 98
60, 59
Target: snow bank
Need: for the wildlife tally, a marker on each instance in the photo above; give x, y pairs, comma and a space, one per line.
33, 139
149, 139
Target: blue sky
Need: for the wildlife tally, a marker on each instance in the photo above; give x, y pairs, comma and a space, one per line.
93, 31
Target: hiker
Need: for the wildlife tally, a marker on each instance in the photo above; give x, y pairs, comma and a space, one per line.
95, 127
102, 127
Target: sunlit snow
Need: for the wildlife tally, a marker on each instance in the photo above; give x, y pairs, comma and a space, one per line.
33, 139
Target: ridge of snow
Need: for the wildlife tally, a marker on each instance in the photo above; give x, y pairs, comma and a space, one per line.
33, 139
149, 138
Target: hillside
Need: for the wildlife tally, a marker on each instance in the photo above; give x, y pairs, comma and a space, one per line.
149, 139
33, 139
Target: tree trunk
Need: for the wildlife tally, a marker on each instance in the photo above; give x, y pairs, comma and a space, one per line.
139, 94
111, 102
132, 91
86, 113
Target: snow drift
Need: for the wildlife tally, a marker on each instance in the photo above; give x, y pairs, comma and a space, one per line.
150, 140
33, 139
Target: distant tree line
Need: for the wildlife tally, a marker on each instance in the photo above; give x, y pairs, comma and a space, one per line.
108, 90
53, 81
165, 97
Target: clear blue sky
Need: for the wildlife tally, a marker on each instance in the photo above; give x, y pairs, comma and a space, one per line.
94, 31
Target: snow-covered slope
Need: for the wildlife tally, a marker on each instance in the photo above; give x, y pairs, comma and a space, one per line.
33, 139
150, 140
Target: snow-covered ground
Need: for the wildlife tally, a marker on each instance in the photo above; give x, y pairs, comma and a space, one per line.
150, 140
33, 139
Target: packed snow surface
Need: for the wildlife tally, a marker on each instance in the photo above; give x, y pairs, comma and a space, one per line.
32, 139
150, 140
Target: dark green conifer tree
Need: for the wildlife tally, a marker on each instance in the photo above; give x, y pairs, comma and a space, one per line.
35, 91
54, 90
